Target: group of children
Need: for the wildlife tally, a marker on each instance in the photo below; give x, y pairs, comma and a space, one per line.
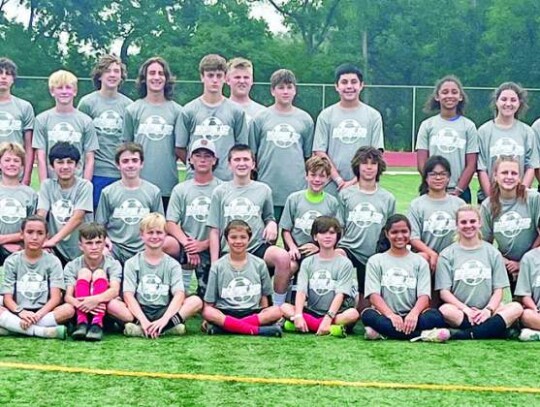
346, 255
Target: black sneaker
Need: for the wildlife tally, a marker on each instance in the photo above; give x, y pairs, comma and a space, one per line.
95, 333
271, 330
79, 334
212, 329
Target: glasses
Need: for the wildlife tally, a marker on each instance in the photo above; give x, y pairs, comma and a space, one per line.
433, 174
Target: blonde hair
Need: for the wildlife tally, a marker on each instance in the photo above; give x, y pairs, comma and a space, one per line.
239, 63
468, 208
14, 148
495, 196
153, 220
62, 78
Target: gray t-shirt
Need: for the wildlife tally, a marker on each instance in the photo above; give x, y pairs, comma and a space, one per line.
471, 274
30, 283
252, 109
121, 210
322, 279
108, 118
109, 265
299, 214
16, 116
517, 141
400, 281
515, 229
224, 124
60, 205
281, 142
16, 204
364, 215
75, 128
153, 285
251, 203
232, 289
433, 221
450, 138
528, 282
189, 207
341, 132
157, 127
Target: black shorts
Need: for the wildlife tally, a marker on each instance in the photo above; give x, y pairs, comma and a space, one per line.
155, 312
60, 256
240, 313
261, 250
360, 269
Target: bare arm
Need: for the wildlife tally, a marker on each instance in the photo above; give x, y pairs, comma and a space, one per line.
528, 177
135, 309
28, 157
89, 159
73, 223
334, 174
54, 301
181, 153
483, 178
42, 164
468, 172
214, 244
528, 303
421, 158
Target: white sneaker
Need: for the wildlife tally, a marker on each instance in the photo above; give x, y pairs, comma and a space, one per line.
176, 330
371, 334
529, 335
433, 335
57, 332
132, 329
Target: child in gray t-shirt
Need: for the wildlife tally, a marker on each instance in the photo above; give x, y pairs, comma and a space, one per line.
528, 291
32, 287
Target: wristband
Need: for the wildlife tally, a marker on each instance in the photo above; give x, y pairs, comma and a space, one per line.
490, 310
331, 314
458, 189
338, 180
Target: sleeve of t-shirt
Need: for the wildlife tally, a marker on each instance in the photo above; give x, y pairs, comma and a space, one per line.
392, 205
56, 278
39, 138
103, 212
175, 210
286, 221
177, 283
90, 136
483, 150
443, 275
307, 136
157, 204
344, 281
254, 135
416, 223
182, 138
211, 293
241, 130
422, 142
180, 130
10, 277
534, 204
302, 282
423, 284
33, 203
373, 277
472, 139
84, 107
83, 199
28, 117
523, 285
337, 210
115, 271
44, 201
377, 137
531, 151
322, 134
268, 207
129, 126
487, 222
214, 213
70, 274
500, 276
130, 276
266, 281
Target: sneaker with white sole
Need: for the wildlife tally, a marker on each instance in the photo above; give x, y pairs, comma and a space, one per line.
527, 335
176, 330
57, 332
433, 335
134, 330
371, 334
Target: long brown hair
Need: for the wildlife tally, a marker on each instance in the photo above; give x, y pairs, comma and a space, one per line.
495, 196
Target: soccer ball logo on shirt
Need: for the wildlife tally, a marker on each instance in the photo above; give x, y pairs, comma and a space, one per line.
62, 210
109, 122
398, 280
321, 282
199, 208
283, 135
439, 224
349, 131
447, 140
364, 215
32, 286
64, 132
131, 212
472, 272
305, 222
240, 291
11, 210
155, 128
510, 224
151, 288
506, 146
241, 208
8, 124
211, 129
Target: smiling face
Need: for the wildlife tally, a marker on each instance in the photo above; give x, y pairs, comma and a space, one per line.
111, 77
316, 180
349, 87
438, 178
64, 168
11, 165
238, 240
507, 103
468, 225
507, 175
153, 238
64, 94
449, 95
327, 240
399, 235
130, 165
368, 170
241, 163
155, 78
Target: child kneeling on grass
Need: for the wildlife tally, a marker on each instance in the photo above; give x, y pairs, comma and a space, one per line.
153, 288
239, 284
32, 287
93, 283
398, 285
326, 286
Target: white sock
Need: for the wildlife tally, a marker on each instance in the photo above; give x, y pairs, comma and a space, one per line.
279, 299
13, 324
48, 320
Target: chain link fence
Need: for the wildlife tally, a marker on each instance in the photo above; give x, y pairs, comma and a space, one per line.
401, 106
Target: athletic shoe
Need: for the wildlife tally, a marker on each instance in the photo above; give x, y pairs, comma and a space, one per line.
79, 334
529, 335
212, 329
132, 329
95, 333
288, 326
338, 331
433, 335
57, 332
371, 334
270, 330
176, 330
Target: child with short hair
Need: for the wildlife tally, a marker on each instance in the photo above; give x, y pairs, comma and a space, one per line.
326, 286
153, 288
93, 283
64, 123
32, 287
239, 285
17, 201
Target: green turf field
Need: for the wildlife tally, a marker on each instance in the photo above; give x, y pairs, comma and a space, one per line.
216, 370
